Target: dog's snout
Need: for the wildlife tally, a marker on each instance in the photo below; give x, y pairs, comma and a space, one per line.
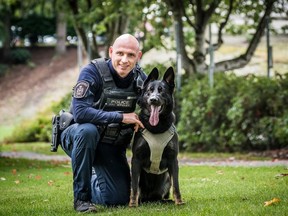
153, 99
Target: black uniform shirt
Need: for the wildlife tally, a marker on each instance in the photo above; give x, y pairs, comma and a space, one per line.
89, 89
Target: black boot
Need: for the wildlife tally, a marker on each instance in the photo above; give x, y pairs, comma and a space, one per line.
84, 206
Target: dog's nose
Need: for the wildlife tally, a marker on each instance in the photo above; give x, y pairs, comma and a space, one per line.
154, 100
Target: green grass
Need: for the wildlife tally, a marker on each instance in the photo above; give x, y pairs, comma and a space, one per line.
45, 188
5, 131
38, 147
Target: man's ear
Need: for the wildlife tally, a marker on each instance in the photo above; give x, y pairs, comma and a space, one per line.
110, 51
139, 55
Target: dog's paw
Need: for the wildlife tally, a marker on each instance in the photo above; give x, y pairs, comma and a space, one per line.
133, 204
179, 202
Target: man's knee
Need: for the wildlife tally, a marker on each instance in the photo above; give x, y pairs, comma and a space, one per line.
87, 134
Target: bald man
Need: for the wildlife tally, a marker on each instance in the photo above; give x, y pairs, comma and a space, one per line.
103, 105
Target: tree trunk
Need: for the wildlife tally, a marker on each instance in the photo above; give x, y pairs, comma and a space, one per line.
7, 35
81, 31
176, 7
199, 54
61, 33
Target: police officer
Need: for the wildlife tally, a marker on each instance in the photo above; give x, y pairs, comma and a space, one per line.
103, 106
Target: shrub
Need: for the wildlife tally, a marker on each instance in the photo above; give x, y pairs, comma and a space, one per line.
63, 104
39, 128
238, 114
19, 56
3, 70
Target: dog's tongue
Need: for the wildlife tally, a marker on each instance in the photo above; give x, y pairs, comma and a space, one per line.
154, 116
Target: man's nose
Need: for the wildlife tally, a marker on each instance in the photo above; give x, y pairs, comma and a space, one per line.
124, 58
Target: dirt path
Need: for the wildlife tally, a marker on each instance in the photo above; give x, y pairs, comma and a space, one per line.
26, 90
187, 162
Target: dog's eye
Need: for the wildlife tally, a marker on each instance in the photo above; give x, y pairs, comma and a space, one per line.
160, 89
151, 88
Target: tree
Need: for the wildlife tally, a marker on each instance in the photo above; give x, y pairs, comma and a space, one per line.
60, 10
96, 18
6, 11
61, 33
199, 14
110, 19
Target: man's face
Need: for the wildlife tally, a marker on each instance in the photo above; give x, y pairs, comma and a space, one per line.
124, 55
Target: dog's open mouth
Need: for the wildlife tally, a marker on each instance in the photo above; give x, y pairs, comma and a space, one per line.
154, 115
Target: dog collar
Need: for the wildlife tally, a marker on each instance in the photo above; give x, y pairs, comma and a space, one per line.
157, 143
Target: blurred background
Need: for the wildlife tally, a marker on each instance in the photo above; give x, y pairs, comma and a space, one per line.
230, 58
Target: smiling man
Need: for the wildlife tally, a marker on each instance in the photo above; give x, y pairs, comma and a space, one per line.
124, 54
103, 105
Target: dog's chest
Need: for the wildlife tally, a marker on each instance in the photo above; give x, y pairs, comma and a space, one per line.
157, 144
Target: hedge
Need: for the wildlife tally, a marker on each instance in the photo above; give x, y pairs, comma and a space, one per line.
237, 114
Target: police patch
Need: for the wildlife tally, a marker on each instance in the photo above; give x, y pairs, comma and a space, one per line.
80, 89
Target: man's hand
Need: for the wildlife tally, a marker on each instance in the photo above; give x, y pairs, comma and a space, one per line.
132, 118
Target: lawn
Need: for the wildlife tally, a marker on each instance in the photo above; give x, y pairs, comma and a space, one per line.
31, 187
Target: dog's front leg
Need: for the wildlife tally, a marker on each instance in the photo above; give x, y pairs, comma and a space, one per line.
135, 177
174, 176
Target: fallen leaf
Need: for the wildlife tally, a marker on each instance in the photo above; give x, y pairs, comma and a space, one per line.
281, 175
50, 182
14, 171
17, 182
220, 172
271, 202
38, 177
67, 173
2, 179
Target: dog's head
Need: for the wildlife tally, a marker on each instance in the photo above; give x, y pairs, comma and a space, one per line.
157, 96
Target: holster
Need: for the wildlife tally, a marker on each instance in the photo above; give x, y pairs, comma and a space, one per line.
65, 120
60, 123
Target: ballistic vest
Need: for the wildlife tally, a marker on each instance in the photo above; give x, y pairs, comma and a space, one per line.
114, 98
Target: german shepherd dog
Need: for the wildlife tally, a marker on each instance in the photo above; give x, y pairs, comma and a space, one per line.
154, 165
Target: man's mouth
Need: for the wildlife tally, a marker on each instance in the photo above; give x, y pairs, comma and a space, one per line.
123, 67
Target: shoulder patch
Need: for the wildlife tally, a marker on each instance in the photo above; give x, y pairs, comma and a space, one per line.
80, 89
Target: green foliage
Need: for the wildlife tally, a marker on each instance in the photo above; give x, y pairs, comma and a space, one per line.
238, 114
161, 68
39, 128
35, 25
62, 104
19, 56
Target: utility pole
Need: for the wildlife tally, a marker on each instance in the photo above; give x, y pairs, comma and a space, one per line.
178, 57
269, 48
211, 54
79, 53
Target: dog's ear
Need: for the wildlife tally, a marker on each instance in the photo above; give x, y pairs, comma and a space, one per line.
154, 74
169, 78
